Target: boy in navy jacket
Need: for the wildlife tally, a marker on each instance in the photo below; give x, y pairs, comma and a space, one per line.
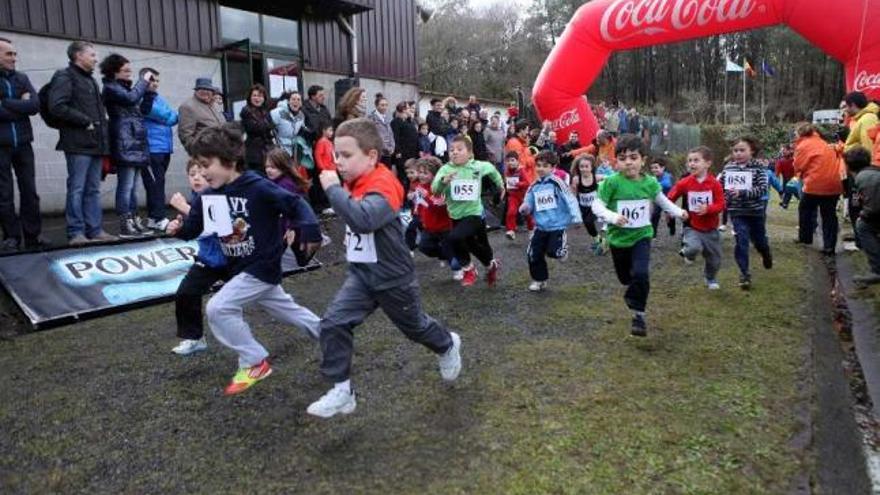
243, 209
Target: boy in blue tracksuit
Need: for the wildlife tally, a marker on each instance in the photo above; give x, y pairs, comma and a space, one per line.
554, 208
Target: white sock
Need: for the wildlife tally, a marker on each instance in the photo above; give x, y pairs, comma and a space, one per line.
344, 386
639, 313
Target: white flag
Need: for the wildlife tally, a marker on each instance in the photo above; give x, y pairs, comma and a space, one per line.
732, 67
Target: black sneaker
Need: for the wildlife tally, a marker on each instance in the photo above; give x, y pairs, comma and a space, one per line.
767, 258
639, 328
745, 282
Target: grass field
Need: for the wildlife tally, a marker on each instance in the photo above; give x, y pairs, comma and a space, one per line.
555, 397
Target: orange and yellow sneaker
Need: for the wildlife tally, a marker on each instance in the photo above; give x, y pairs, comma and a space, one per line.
245, 378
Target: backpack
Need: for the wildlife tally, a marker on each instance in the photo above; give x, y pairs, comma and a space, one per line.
48, 117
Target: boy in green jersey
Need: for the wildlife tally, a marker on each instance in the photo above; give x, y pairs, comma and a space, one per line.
625, 201
461, 183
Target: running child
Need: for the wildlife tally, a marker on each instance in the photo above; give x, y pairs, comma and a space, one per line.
625, 200
243, 208
460, 181
380, 269
704, 198
745, 184
415, 199
585, 185
555, 208
324, 158
660, 168
517, 183
436, 224
281, 170
208, 268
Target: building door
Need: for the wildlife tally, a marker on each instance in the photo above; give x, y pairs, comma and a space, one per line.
239, 68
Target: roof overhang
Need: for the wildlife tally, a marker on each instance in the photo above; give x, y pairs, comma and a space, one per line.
296, 9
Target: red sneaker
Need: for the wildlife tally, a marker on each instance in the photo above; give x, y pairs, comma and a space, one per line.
492, 274
245, 378
470, 276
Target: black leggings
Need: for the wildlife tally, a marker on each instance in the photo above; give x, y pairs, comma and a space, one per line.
589, 219
468, 236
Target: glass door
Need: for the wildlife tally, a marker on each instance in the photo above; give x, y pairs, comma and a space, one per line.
238, 74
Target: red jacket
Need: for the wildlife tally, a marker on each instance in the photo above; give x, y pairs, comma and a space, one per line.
418, 194
434, 216
520, 178
785, 168
324, 155
708, 221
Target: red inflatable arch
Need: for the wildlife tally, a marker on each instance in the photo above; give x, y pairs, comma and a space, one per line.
839, 27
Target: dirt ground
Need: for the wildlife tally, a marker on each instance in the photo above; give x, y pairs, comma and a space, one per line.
554, 396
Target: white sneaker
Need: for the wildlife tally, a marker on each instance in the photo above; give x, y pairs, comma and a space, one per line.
157, 225
328, 211
722, 228
458, 275
510, 234
336, 401
325, 240
713, 285
850, 247
442, 264
188, 346
412, 254
537, 286
450, 361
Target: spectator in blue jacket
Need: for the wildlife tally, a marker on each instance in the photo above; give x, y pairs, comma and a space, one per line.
159, 118
18, 101
128, 136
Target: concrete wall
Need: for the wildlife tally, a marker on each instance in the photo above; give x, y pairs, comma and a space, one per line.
39, 57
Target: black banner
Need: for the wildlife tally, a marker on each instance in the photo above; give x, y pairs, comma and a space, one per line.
63, 286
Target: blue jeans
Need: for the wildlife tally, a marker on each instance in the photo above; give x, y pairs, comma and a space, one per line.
126, 192
749, 228
154, 183
83, 205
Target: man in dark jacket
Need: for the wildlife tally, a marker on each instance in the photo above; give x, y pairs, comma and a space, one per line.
75, 100
316, 113
18, 101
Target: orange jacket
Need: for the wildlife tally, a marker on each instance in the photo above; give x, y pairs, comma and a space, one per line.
526, 160
874, 134
818, 166
608, 153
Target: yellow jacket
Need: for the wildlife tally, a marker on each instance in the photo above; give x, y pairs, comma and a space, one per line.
861, 123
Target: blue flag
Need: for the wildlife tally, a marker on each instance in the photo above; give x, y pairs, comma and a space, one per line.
767, 69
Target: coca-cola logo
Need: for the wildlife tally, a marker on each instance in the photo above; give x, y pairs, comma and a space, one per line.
865, 81
626, 18
567, 119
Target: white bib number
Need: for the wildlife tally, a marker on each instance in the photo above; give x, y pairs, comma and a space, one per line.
512, 182
545, 200
360, 248
696, 200
586, 199
465, 190
216, 216
738, 181
637, 213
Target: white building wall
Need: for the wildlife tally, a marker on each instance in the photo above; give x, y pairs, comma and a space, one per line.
39, 57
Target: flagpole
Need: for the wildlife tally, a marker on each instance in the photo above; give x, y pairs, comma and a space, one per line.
744, 92
725, 94
763, 89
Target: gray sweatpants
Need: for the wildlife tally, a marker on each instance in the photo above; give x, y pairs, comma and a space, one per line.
708, 243
354, 302
225, 317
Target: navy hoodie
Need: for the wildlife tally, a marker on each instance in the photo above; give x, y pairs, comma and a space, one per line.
255, 245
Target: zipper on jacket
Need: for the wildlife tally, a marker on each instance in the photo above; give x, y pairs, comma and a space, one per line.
11, 122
